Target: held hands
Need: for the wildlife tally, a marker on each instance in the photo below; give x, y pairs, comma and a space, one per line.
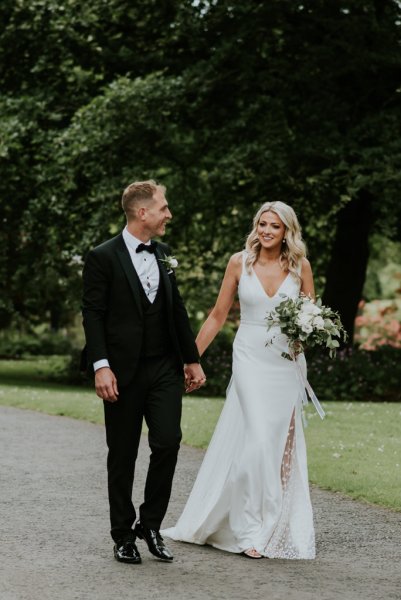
106, 384
194, 377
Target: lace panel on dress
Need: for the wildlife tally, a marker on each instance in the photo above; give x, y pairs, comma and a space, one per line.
281, 543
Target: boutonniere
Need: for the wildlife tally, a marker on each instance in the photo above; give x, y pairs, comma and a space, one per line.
170, 262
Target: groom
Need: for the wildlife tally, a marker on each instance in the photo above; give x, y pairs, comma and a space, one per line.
138, 338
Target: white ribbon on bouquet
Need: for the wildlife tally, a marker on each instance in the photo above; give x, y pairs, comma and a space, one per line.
306, 386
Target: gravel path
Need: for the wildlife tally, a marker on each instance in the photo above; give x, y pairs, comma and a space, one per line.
55, 543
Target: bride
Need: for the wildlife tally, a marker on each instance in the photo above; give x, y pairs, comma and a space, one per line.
251, 495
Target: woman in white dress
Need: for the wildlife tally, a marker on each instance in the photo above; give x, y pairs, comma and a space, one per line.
251, 495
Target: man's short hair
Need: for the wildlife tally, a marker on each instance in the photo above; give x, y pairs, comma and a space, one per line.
136, 193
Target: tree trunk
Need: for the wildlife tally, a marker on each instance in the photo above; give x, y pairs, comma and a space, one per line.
55, 317
346, 271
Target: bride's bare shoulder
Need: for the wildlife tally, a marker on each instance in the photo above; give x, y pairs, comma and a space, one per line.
236, 259
305, 266
234, 266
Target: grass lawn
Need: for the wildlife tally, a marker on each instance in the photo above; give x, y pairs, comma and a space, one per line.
355, 450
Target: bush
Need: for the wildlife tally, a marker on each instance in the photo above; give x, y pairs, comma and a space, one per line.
16, 345
357, 375
378, 324
69, 370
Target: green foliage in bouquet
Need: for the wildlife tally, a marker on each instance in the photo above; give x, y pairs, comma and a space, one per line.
306, 323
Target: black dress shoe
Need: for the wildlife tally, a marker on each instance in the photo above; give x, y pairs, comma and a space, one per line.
154, 541
127, 552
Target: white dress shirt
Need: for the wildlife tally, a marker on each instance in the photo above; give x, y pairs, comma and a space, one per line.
145, 265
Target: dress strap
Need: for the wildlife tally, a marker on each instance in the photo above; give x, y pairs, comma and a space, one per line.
244, 257
244, 254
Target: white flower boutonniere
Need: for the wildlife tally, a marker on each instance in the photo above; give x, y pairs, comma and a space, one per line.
170, 262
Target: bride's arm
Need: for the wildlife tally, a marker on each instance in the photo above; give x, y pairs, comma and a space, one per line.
307, 287
218, 315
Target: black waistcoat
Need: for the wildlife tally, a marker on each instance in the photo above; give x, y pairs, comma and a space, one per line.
156, 338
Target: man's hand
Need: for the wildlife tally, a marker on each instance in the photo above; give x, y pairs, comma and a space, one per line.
194, 377
106, 384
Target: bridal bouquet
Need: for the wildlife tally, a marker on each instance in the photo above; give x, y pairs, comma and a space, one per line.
306, 323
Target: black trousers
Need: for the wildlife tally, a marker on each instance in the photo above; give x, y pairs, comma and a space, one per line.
155, 393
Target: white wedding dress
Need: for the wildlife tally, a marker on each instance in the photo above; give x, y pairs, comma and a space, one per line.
252, 488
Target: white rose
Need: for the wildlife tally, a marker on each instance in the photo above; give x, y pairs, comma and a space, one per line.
309, 308
173, 263
304, 318
318, 322
305, 322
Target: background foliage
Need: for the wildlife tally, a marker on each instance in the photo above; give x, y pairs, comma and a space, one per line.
229, 105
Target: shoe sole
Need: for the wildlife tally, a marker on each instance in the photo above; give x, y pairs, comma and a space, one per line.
128, 561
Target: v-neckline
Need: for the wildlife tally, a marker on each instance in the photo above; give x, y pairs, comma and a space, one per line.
262, 286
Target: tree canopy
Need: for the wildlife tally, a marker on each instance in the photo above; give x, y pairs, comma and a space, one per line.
227, 104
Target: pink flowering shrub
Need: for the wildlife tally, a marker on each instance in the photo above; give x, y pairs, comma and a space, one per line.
378, 324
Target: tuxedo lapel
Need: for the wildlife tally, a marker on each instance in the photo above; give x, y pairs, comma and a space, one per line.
129, 269
164, 278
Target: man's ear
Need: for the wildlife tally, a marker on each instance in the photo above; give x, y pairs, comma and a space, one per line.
141, 213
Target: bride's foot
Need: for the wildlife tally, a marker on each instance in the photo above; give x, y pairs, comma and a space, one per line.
251, 553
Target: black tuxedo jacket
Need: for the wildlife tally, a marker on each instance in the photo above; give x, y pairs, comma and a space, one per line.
113, 315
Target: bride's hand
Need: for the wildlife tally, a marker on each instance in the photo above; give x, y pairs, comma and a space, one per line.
297, 347
194, 377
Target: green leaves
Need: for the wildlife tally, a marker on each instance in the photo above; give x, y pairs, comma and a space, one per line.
228, 104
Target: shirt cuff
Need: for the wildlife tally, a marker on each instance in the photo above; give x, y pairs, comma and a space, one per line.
100, 363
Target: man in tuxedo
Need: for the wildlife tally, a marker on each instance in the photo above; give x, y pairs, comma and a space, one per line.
140, 343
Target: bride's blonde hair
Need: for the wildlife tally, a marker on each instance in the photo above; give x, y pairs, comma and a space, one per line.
292, 250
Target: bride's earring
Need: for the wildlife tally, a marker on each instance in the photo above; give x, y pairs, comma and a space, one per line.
284, 240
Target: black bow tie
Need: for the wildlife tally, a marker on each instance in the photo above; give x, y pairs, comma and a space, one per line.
147, 247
